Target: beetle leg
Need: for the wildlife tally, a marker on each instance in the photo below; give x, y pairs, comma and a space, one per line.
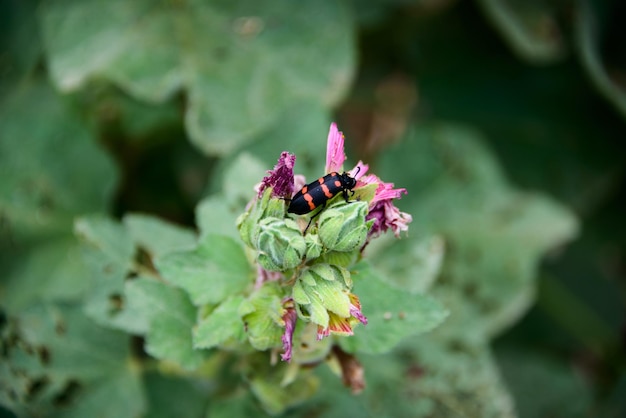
313, 217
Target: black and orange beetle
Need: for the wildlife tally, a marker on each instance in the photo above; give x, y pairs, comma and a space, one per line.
319, 192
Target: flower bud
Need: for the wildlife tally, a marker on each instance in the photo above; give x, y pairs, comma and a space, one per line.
343, 227
263, 207
321, 289
280, 243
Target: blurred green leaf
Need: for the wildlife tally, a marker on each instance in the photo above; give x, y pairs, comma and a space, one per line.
20, 46
252, 63
210, 273
452, 378
525, 371
588, 39
494, 235
240, 405
232, 190
222, 324
157, 236
392, 314
108, 252
173, 396
109, 238
548, 126
170, 316
266, 383
302, 131
241, 176
50, 166
51, 271
216, 216
62, 363
530, 27
414, 262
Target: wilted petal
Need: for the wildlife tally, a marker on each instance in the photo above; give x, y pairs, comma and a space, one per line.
281, 178
355, 309
289, 318
336, 325
343, 326
382, 210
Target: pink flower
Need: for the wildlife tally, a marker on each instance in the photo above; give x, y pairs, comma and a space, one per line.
381, 209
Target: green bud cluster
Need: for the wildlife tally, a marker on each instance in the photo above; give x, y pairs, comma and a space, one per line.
315, 265
279, 240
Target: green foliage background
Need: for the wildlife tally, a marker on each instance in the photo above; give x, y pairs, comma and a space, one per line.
130, 131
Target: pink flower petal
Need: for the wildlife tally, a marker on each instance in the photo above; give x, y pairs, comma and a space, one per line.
335, 155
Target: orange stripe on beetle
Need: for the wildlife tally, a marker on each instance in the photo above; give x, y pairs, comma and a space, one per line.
326, 191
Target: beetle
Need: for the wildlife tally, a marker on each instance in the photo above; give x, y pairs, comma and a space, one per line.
319, 192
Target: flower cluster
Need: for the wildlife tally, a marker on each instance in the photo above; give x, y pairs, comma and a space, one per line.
311, 260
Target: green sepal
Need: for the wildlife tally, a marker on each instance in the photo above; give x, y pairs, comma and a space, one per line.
343, 227
332, 272
339, 258
248, 222
365, 193
280, 243
314, 246
263, 207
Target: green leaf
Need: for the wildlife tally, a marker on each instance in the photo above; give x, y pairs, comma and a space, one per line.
119, 396
242, 404
457, 378
215, 216
20, 50
221, 325
42, 188
531, 28
525, 369
267, 384
253, 62
302, 131
173, 396
590, 41
216, 269
494, 235
240, 177
51, 271
58, 348
157, 236
411, 263
108, 253
392, 314
109, 238
171, 317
